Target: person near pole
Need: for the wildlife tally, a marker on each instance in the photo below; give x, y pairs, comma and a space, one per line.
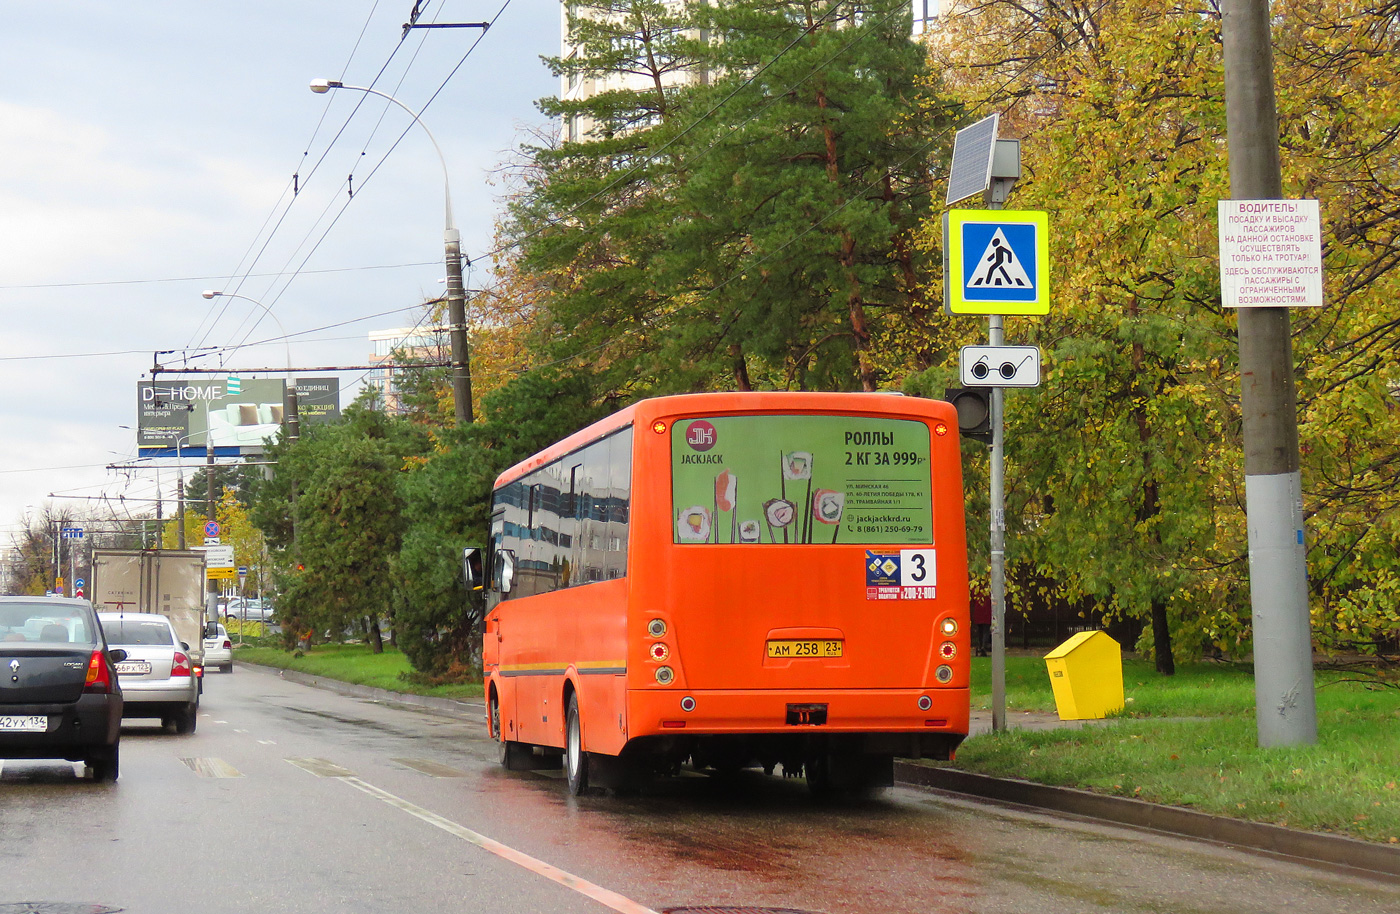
981, 609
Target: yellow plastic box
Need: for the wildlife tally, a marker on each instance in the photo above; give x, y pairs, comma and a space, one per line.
1086, 673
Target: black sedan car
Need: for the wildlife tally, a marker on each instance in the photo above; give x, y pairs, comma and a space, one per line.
59, 694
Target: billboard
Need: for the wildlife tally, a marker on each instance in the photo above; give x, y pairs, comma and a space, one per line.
180, 417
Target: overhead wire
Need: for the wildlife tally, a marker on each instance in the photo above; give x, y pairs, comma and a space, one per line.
315, 167
291, 276
287, 279
165, 279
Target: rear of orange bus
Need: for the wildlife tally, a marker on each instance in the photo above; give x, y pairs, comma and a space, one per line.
797, 584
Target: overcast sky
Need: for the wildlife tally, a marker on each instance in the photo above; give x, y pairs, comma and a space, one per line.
147, 153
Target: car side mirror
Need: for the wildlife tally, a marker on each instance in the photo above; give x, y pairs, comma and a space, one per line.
117, 655
471, 568
184, 645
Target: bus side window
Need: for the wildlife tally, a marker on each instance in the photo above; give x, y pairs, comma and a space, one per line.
507, 568
494, 544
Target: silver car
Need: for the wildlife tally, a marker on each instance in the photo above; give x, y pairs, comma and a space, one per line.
218, 649
249, 610
157, 677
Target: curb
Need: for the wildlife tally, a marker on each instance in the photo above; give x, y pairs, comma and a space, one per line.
1334, 852
1331, 851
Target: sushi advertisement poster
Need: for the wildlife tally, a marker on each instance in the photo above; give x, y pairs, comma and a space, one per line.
801, 479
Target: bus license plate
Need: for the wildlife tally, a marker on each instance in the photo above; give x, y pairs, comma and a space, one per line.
805, 648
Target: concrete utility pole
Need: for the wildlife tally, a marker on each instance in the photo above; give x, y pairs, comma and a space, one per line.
1284, 699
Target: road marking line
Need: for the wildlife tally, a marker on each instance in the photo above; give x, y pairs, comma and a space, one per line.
267, 742
611, 899
322, 768
430, 767
212, 768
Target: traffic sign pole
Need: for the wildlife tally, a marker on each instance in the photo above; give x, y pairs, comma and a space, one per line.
996, 337
994, 266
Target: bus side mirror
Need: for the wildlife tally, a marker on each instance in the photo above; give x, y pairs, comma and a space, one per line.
507, 570
471, 568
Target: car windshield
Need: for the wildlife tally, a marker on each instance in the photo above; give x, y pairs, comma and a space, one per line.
43, 623
139, 631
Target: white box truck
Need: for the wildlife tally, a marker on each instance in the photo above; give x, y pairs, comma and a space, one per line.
170, 582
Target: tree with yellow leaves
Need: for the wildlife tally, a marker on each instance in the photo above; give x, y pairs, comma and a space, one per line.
1124, 468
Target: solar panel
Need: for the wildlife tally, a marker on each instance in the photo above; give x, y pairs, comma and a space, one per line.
973, 148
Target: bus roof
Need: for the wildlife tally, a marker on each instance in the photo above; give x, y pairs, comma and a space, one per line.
777, 402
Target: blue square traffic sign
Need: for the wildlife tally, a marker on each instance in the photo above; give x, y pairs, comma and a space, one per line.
998, 262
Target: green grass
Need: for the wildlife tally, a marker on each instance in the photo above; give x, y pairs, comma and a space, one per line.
354, 663
1190, 740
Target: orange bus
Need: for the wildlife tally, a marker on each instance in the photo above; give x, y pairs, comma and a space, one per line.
728, 580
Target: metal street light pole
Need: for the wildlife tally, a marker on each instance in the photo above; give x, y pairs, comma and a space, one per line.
180, 490
456, 291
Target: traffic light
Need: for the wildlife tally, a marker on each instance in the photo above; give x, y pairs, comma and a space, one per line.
974, 406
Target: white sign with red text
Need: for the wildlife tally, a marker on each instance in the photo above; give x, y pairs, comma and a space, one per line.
1270, 253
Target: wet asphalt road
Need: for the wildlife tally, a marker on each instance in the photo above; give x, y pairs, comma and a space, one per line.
288, 798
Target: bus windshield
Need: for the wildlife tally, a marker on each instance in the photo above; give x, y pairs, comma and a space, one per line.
801, 479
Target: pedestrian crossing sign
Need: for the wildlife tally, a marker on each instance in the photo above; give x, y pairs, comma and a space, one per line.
997, 262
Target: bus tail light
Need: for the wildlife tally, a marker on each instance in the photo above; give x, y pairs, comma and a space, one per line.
944, 673
925, 702
656, 628
948, 626
687, 704
665, 675
659, 652
947, 650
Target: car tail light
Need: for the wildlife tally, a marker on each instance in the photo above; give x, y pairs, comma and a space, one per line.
228, 645
98, 680
181, 666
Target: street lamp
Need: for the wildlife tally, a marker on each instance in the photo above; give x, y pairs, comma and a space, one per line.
292, 417
456, 294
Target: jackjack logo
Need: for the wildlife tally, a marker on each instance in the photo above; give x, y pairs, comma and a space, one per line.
700, 435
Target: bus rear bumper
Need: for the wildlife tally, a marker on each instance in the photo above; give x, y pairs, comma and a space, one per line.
881, 720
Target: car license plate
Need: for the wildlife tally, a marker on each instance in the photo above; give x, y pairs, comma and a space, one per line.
35, 724
134, 667
805, 648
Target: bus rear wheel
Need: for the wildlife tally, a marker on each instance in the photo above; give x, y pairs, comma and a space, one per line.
575, 759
